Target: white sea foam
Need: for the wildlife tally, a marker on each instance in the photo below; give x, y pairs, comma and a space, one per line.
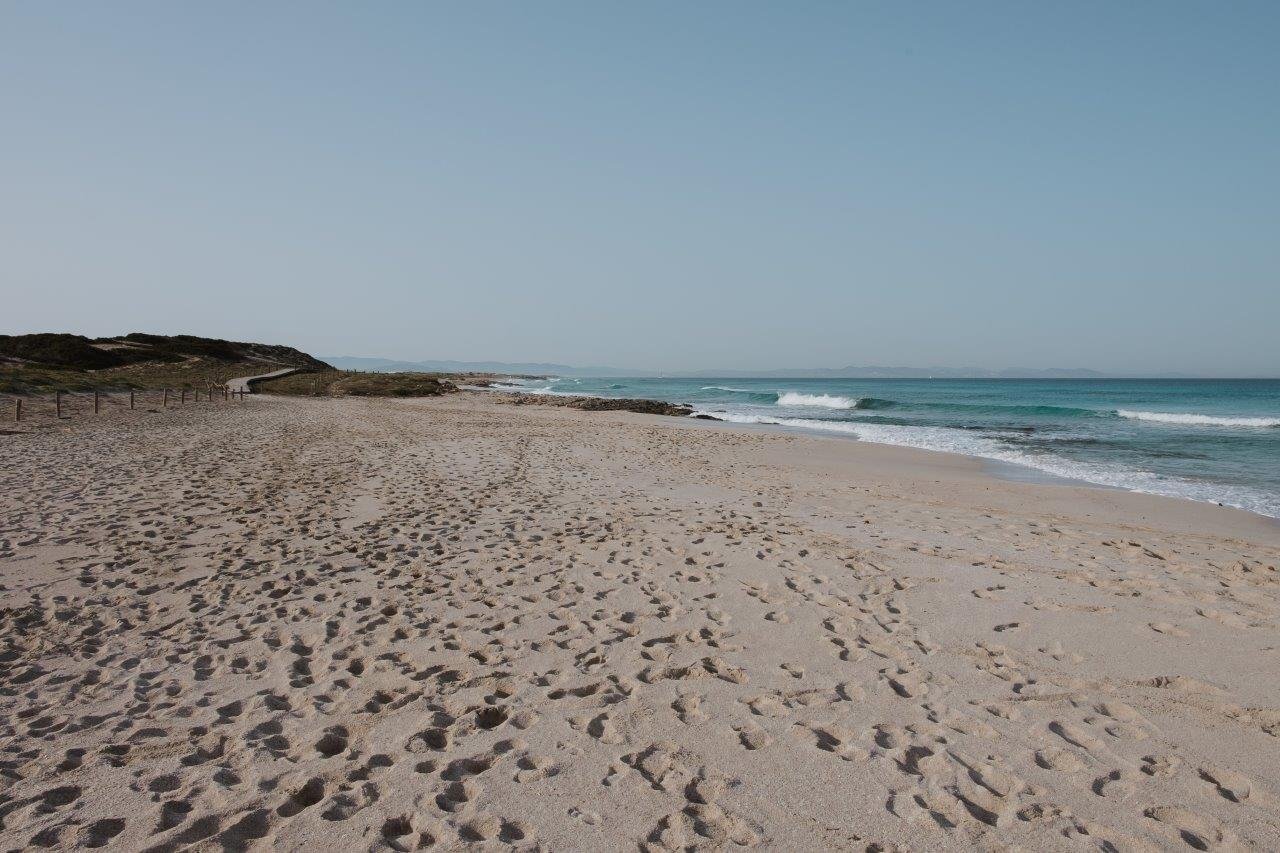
727, 388
826, 401
1192, 419
531, 387
520, 388
969, 443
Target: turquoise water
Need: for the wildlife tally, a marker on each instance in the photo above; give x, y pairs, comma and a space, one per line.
1207, 440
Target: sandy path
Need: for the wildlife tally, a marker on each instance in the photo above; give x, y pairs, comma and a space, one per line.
359, 624
245, 383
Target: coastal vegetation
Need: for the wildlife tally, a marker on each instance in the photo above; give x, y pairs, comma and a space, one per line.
351, 383
47, 362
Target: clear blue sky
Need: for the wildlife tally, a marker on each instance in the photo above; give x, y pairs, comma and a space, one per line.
656, 185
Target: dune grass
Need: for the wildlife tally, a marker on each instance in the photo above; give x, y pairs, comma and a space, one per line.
191, 373
348, 383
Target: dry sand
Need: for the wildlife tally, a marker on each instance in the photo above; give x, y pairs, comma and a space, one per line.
359, 624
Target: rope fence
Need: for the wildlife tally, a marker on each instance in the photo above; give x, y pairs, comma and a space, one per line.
67, 405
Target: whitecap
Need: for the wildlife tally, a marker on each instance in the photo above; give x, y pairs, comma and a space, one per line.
826, 401
1193, 419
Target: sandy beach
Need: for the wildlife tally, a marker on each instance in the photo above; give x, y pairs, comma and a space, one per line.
348, 624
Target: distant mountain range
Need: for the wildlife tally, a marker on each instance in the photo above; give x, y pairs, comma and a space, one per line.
386, 365
873, 372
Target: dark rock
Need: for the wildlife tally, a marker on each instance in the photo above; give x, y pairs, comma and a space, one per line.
600, 404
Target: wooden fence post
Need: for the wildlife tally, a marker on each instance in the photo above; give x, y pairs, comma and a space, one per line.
17, 410
95, 401
131, 399
59, 405
166, 397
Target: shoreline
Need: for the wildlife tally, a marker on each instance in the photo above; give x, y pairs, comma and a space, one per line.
1186, 513
999, 469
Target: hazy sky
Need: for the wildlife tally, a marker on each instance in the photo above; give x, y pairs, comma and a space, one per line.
656, 185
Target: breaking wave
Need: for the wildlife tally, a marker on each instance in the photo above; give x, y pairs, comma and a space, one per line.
1192, 419
826, 401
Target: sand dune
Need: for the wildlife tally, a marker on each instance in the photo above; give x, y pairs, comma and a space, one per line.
398, 625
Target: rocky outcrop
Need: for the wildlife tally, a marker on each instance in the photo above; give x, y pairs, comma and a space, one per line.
600, 404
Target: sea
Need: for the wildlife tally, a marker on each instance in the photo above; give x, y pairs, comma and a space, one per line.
1211, 440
